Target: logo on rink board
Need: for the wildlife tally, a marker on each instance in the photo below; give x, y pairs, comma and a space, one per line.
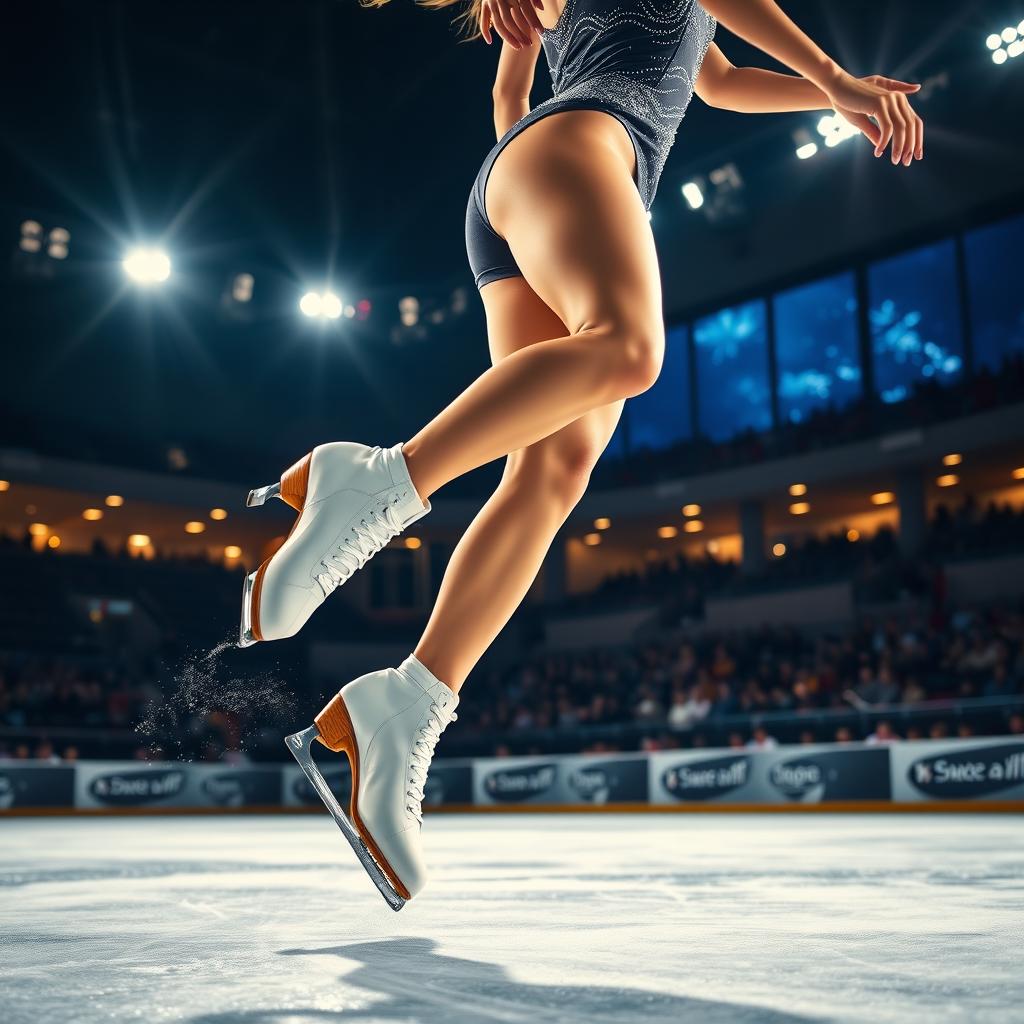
603, 782
704, 780
976, 771
126, 789
511, 784
833, 775
244, 788
338, 779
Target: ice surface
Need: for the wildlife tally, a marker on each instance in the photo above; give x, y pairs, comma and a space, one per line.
528, 918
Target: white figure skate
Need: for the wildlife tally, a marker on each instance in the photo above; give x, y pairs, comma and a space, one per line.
352, 500
388, 724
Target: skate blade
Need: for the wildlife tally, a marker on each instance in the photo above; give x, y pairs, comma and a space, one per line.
260, 495
245, 633
299, 744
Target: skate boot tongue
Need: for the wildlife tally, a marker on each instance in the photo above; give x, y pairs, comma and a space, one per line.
438, 712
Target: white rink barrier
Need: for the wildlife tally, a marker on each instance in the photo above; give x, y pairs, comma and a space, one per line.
981, 772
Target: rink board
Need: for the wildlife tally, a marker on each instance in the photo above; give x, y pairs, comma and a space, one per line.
984, 773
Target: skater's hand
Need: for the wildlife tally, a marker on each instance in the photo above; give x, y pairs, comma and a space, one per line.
515, 21
879, 108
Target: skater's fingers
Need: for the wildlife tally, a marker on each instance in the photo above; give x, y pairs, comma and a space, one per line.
485, 23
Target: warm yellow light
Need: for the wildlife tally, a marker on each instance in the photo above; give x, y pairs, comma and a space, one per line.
592, 539
1018, 473
5, 485
114, 501
853, 535
883, 498
800, 508
667, 532
952, 459
232, 551
138, 540
797, 489
948, 480
693, 526
218, 514
713, 547
778, 550
194, 526
603, 523
92, 514
38, 529
412, 543
691, 510
53, 541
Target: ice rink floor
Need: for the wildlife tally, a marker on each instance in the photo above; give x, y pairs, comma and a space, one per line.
646, 918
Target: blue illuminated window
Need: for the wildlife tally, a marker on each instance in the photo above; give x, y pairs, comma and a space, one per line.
660, 417
816, 347
733, 393
914, 312
994, 256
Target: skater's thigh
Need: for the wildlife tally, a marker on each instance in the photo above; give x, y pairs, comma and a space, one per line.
562, 195
517, 318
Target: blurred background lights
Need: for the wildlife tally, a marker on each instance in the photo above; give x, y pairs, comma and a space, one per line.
138, 540
114, 501
592, 539
91, 515
323, 305
1006, 44
218, 513
31, 236
693, 195
242, 286
147, 266
835, 129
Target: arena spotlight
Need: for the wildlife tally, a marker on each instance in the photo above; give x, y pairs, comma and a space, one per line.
31, 236
330, 306
57, 244
693, 194
310, 304
592, 539
602, 523
242, 286
1006, 44
835, 129
668, 532
806, 147
321, 305
147, 266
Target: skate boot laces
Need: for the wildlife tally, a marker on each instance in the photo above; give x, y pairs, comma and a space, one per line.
366, 538
422, 754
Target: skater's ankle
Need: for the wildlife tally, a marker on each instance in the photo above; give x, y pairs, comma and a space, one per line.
432, 669
414, 464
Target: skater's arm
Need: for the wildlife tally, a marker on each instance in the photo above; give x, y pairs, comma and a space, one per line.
753, 90
864, 102
512, 85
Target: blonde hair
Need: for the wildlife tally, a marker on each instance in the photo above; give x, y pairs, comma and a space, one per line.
468, 21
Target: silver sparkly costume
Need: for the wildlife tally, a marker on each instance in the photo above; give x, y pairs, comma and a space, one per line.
634, 59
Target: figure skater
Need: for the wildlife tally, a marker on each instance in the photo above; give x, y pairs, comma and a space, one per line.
561, 248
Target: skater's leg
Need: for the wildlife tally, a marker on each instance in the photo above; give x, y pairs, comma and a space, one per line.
562, 195
501, 552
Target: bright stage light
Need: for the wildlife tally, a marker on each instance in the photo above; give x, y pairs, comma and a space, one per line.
999, 57
1009, 34
835, 129
325, 305
1016, 48
330, 305
806, 151
994, 41
147, 266
693, 195
311, 304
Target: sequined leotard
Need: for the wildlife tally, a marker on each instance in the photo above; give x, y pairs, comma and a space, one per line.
634, 59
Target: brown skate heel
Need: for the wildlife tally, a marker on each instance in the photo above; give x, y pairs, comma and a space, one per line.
291, 489
336, 733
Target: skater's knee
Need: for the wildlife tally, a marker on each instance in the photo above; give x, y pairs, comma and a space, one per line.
557, 470
634, 349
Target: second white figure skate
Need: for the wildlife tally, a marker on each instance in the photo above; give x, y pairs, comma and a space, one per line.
352, 499
387, 723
